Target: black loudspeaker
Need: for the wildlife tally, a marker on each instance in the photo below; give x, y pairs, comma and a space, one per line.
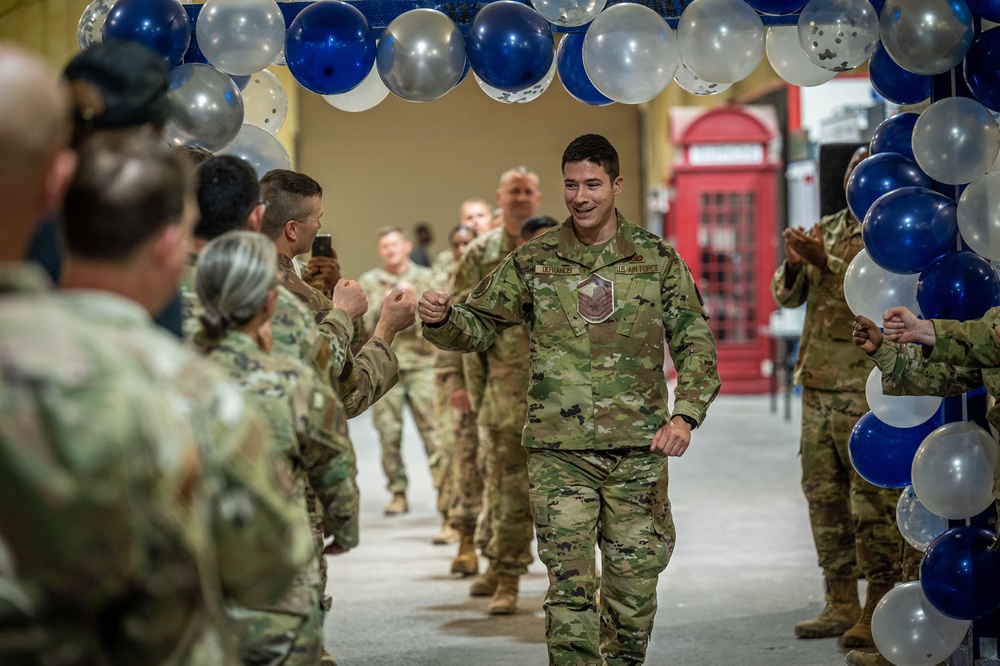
833, 161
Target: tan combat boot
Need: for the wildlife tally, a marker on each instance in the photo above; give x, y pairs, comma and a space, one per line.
504, 601
485, 585
860, 635
466, 562
397, 505
859, 658
841, 612
445, 535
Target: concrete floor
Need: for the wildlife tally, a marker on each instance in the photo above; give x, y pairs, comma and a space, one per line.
743, 572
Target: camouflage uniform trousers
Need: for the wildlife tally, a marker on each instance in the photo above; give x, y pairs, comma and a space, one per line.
618, 499
445, 417
853, 521
511, 527
467, 480
278, 638
415, 388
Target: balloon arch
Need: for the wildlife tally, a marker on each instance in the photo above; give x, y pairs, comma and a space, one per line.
928, 196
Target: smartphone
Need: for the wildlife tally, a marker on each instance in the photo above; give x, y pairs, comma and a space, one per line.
322, 246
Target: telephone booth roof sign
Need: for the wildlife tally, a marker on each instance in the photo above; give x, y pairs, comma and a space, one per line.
725, 136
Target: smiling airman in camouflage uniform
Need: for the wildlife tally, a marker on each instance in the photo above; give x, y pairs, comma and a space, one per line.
599, 295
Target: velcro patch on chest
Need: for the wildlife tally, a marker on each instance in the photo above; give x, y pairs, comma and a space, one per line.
634, 270
557, 270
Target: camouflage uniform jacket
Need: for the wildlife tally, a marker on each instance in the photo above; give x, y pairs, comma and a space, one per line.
296, 332
134, 483
442, 269
503, 404
413, 352
595, 386
965, 356
827, 359
447, 365
366, 376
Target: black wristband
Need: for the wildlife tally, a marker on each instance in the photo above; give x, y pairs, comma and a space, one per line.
690, 421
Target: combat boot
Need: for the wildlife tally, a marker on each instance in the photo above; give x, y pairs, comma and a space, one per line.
859, 658
327, 659
397, 505
504, 601
466, 562
841, 612
860, 635
445, 535
485, 585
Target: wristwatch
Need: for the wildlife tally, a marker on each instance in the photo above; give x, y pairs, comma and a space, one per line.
687, 419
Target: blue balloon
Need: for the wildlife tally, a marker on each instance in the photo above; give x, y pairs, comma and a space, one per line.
569, 62
883, 454
895, 135
509, 45
878, 175
894, 83
960, 574
330, 48
958, 285
906, 229
878, 5
777, 7
161, 25
980, 69
987, 9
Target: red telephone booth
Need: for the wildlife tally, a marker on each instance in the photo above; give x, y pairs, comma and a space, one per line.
723, 221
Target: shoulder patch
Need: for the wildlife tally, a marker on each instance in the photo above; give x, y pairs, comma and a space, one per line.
482, 287
557, 270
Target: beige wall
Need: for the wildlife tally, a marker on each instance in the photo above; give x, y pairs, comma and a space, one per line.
403, 162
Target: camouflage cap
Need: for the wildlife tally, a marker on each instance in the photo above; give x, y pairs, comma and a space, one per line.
119, 84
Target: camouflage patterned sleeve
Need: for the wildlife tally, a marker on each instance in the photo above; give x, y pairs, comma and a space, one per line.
967, 343
254, 510
905, 371
794, 295
331, 465
337, 331
498, 302
691, 344
474, 371
368, 376
448, 371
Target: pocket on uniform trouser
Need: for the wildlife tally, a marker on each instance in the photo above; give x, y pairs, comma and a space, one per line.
663, 519
539, 509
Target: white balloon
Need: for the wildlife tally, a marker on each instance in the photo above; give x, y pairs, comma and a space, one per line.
917, 525
696, 85
265, 104
909, 631
260, 148
88, 30
789, 61
953, 470
979, 216
240, 37
899, 411
956, 140
368, 94
870, 290
721, 40
569, 13
521, 96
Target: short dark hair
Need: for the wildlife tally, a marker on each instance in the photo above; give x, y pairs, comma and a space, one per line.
593, 148
531, 226
127, 188
285, 192
385, 231
228, 191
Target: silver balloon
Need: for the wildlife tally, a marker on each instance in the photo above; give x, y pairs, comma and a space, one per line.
909, 631
789, 61
88, 30
917, 525
264, 102
956, 140
421, 55
521, 96
926, 36
240, 37
696, 85
368, 94
630, 53
207, 108
569, 12
953, 470
838, 34
721, 40
870, 290
260, 148
979, 216
898, 411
